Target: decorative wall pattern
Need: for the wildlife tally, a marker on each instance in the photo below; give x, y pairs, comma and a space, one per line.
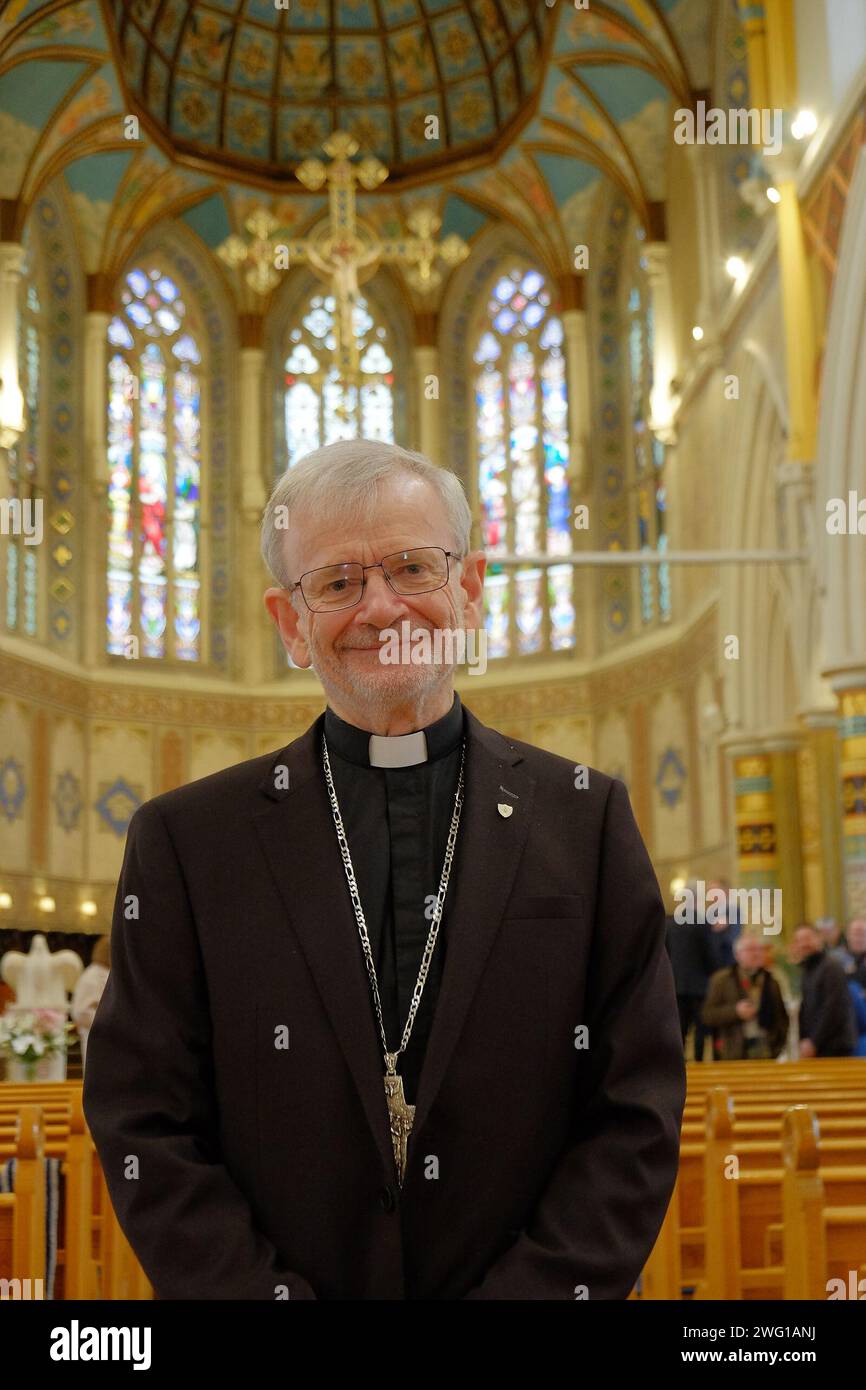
61, 384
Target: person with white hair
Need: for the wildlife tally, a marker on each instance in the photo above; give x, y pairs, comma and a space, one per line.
744, 1004
393, 1018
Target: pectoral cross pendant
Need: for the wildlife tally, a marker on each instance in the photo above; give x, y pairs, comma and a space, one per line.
400, 1114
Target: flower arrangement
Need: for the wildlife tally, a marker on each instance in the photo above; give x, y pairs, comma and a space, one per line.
30, 1035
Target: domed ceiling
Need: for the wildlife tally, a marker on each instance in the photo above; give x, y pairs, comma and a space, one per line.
248, 85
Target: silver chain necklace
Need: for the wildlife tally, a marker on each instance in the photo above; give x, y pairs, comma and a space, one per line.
401, 1115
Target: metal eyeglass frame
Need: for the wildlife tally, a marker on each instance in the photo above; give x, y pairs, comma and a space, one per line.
379, 565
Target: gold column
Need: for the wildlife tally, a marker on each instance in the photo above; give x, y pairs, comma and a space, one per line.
852, 733
756, 848
786, 807
820, 822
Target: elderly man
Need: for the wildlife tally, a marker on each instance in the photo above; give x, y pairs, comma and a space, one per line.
745, 1005
390, 1014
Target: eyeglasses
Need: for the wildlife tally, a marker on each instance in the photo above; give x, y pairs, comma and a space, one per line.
418, 571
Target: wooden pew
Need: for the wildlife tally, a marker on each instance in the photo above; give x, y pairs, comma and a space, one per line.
764, 1091
22, 1212
820, 1241
739, 1210
95, 1259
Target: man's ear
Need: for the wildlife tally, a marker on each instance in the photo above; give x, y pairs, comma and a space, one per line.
472, 582
287, 621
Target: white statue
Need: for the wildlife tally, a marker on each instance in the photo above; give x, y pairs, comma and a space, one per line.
41, 978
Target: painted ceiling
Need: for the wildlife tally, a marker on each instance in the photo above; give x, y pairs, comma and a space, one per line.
540, 105
258, 87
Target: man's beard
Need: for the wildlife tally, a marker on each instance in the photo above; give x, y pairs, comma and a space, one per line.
387, 688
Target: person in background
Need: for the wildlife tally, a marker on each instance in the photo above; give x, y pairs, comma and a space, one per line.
830, 932
851, 952
726, 926
690, 947
744, 1005
827, 1023
88, 990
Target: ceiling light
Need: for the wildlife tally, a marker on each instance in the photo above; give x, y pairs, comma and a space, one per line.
804, 124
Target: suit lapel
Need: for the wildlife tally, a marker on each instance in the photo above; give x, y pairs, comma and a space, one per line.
300, 843
297, 833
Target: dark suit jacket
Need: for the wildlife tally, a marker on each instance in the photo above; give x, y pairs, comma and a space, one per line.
827, 1015
693, 957
242, 1169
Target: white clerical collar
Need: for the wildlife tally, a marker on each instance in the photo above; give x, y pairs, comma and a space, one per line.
425, 745
398, 750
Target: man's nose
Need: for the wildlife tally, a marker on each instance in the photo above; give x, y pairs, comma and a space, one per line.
379, 604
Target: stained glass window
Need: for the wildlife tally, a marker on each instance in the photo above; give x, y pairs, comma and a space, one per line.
22, 568
648, 452
154, 463
319, 406
521, 413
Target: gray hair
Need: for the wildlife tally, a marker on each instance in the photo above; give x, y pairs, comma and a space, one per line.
345, 477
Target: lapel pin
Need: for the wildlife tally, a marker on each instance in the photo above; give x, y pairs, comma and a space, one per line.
504, 810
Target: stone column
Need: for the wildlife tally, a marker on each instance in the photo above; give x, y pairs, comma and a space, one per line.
572, 292
11, 399
255, 646
428, 387
709, 246
658, 255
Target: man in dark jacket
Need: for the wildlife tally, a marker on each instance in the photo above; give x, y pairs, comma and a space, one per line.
745, 1005
693, 959
827, 1023
270, 947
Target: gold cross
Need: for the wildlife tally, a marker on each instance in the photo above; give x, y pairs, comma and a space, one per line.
344, 250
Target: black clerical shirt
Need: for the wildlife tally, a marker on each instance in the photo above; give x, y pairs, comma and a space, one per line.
396, 821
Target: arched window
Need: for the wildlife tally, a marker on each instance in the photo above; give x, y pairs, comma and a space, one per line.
521, 410
320, 407
154, 459
22, 568
647, 451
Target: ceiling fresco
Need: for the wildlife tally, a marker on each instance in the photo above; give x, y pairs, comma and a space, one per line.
540, 108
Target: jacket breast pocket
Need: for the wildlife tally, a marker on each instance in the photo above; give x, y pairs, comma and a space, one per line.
540, 909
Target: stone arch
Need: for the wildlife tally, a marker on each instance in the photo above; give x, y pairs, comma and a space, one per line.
841, 461
756, 600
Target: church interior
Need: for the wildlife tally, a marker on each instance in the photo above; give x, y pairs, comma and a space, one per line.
531, 240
